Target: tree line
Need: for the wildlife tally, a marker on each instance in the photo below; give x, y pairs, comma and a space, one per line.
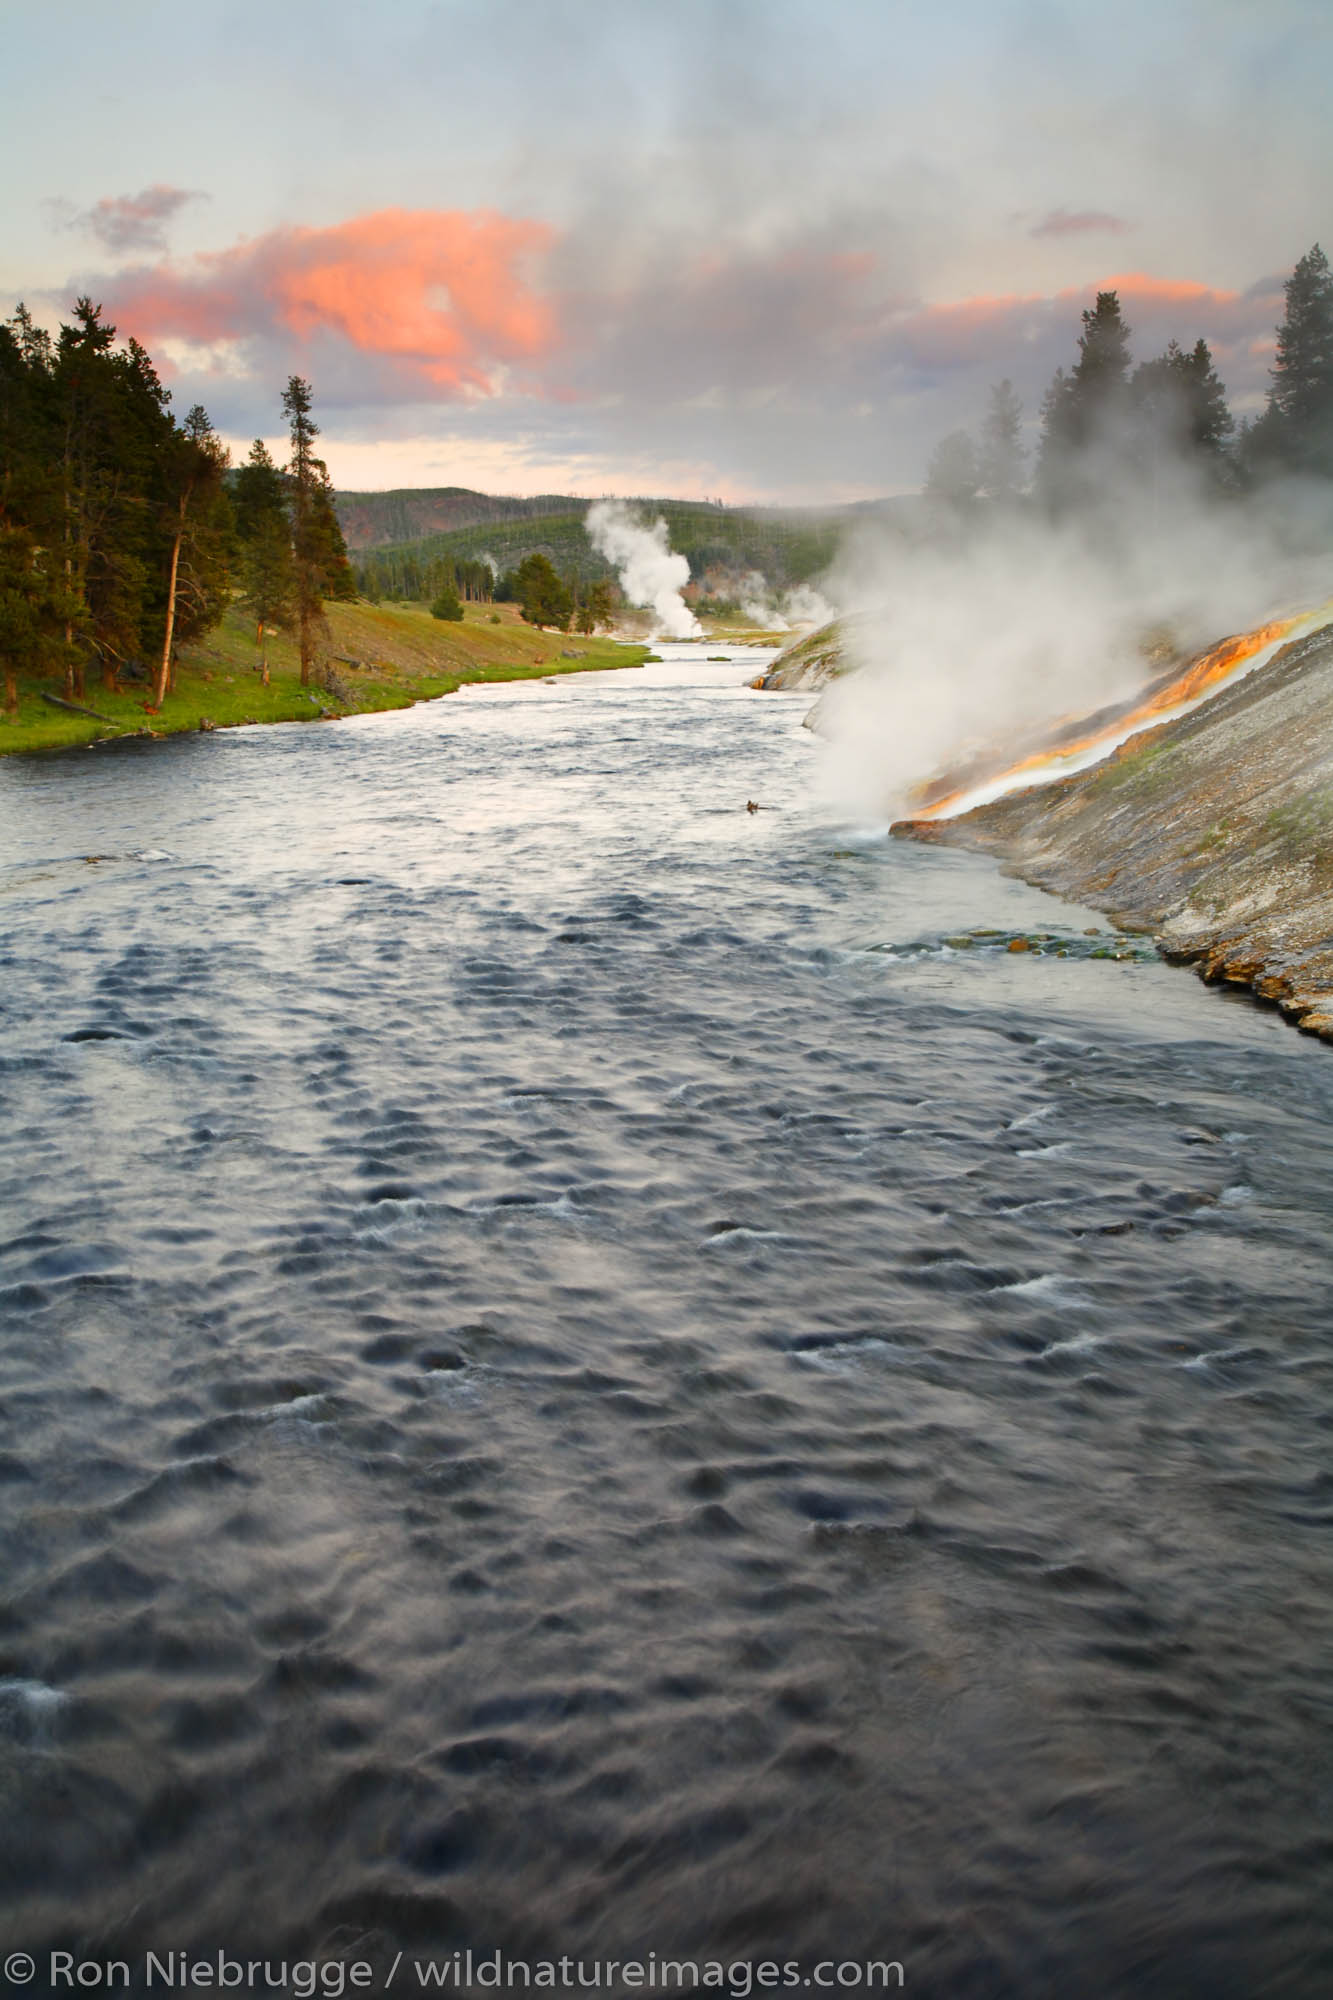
123, 533
416, 579
1110, 429
543, 595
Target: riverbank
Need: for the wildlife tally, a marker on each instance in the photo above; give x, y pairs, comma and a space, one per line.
378, 657
810, 661
1214, 833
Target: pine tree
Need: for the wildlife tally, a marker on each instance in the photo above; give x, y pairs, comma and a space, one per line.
1181, 414
29, 614
1000, 467
544, 598
31, 603
335, 567
1210, 425
263, 532
114, 527
1103, 352
1298, 424
1084, 411
200, 525
953, 474
308, 538
598, 605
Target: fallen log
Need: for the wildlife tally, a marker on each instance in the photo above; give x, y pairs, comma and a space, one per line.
58, 701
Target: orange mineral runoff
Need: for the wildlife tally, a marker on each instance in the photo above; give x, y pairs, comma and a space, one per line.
1230, 659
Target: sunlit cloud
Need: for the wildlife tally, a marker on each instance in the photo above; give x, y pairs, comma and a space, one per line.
491, 350
443, 299
962, 332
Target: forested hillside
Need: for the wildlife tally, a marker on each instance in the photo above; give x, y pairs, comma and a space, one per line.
407, 513
786, 547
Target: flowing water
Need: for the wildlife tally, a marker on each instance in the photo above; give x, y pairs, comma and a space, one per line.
577, 1381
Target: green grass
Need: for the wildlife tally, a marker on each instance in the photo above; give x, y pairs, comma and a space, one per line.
1142, 769
380, 657
1303, 823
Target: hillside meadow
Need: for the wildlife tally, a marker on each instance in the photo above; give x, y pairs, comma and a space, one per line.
378, 657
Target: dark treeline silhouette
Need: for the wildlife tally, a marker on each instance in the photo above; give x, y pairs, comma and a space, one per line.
122, 535
1111, 431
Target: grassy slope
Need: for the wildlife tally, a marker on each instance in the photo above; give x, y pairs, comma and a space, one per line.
402, 655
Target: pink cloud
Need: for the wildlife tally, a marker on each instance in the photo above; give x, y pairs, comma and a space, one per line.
960, 332
442, 296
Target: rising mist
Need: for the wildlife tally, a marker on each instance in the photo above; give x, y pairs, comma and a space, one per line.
972, 635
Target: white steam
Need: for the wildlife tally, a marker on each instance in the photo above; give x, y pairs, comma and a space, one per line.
802, 606
807, 606
650, 575
970, 643
756, 603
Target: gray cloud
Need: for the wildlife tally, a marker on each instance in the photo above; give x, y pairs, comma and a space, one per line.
127, 222
1079, 222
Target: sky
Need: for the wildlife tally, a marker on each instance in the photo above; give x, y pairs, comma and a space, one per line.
755, 250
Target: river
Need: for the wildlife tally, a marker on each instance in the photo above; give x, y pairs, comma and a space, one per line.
576, 1380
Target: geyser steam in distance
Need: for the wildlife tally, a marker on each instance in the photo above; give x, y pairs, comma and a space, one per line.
650, 574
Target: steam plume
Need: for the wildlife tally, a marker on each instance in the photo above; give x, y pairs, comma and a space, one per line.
803, 605
971, 643
807, 606
650, 575
756, 603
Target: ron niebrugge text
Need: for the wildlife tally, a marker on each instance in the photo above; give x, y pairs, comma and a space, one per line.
326, 1979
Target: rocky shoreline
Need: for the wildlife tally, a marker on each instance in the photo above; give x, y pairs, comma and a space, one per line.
1213, 833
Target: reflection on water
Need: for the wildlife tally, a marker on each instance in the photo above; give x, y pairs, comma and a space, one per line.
577, 1379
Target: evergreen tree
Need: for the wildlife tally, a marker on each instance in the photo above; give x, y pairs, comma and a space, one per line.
1296, 430
1209, 424
308, 534
114, 526
447, 605
1000, 466
200, 525
31, 601
953, 475
263, 532
543, 597
113, 425
29, 615
337, 580
1082, 436
597, 605
1181, 413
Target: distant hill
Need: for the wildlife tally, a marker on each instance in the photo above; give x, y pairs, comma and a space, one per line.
787, 546
381, 520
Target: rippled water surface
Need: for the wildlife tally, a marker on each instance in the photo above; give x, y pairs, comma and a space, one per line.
575, 1380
